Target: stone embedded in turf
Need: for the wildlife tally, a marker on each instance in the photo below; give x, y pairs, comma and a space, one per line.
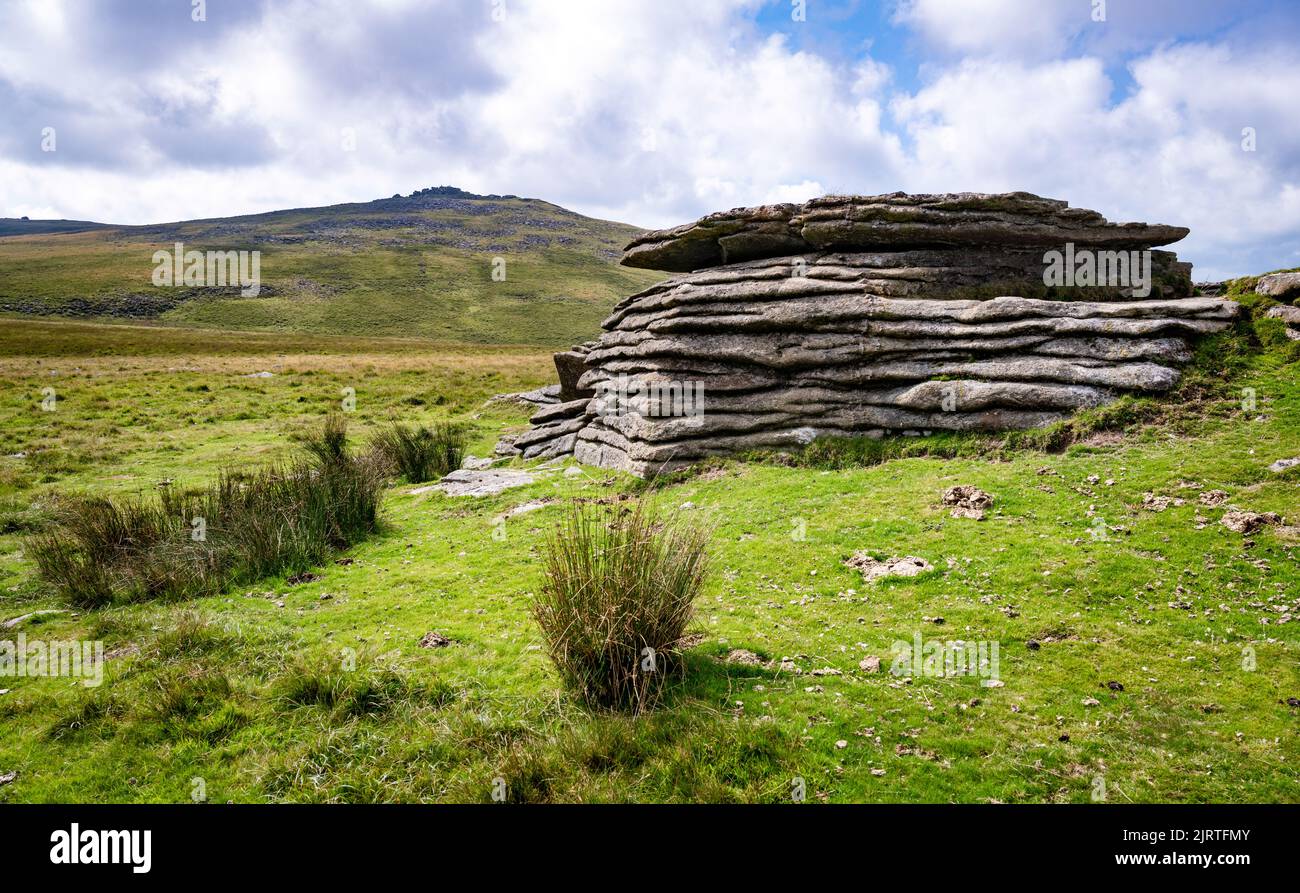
467, 482
967, 501
1248, 522
874, 569
1290, 317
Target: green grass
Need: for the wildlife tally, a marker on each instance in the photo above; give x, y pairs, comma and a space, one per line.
393, 267
420, 454
275, 692
246, 525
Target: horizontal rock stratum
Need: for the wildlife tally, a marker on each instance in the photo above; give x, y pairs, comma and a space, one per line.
896, 220
869, 316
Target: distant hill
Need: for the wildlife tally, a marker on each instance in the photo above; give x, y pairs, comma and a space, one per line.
414, 265
21, 226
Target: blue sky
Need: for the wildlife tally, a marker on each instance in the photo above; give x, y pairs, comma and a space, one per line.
657, 111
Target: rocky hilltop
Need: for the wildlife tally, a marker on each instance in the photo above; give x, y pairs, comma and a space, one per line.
868, 316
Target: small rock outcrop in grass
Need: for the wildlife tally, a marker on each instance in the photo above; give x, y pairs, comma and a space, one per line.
619, 591
422, 454
244, 526
967, 501
488, 482
874, 569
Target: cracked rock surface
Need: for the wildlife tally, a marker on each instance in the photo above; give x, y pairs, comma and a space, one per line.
868, 316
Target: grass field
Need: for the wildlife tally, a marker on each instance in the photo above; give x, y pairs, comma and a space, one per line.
278, 692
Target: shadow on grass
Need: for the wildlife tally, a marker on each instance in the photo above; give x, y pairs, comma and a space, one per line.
707, 676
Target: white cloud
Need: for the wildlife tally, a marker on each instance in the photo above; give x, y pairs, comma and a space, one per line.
1008, 27
688, 109
642, 111
1170, 152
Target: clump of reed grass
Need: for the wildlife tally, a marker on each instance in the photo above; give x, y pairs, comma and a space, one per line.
619, 589
421, 453
244, 526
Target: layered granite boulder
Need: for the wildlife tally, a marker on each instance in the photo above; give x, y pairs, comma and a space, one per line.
870, 316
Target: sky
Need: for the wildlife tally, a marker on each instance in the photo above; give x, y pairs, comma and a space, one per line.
654, 112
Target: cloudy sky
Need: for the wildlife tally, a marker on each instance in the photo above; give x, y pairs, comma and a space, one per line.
656, 111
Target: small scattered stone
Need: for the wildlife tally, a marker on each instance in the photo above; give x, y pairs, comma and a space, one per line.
967, 501
1153, 503
1213, 498
869, 664
434, 640
1248, 522
874, 570
525, 508
17, 621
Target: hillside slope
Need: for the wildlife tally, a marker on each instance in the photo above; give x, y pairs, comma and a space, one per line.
22, 226
418, 265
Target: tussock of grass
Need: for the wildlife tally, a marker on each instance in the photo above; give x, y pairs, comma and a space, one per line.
421, 453
619, 591
194, 702
366, 689
593, 760
85, 716
242, 527
22, 516
191, 634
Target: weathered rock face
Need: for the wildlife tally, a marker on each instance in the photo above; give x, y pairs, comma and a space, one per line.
897, 220
571, 364
1283, 286
1290, 316
868, 316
